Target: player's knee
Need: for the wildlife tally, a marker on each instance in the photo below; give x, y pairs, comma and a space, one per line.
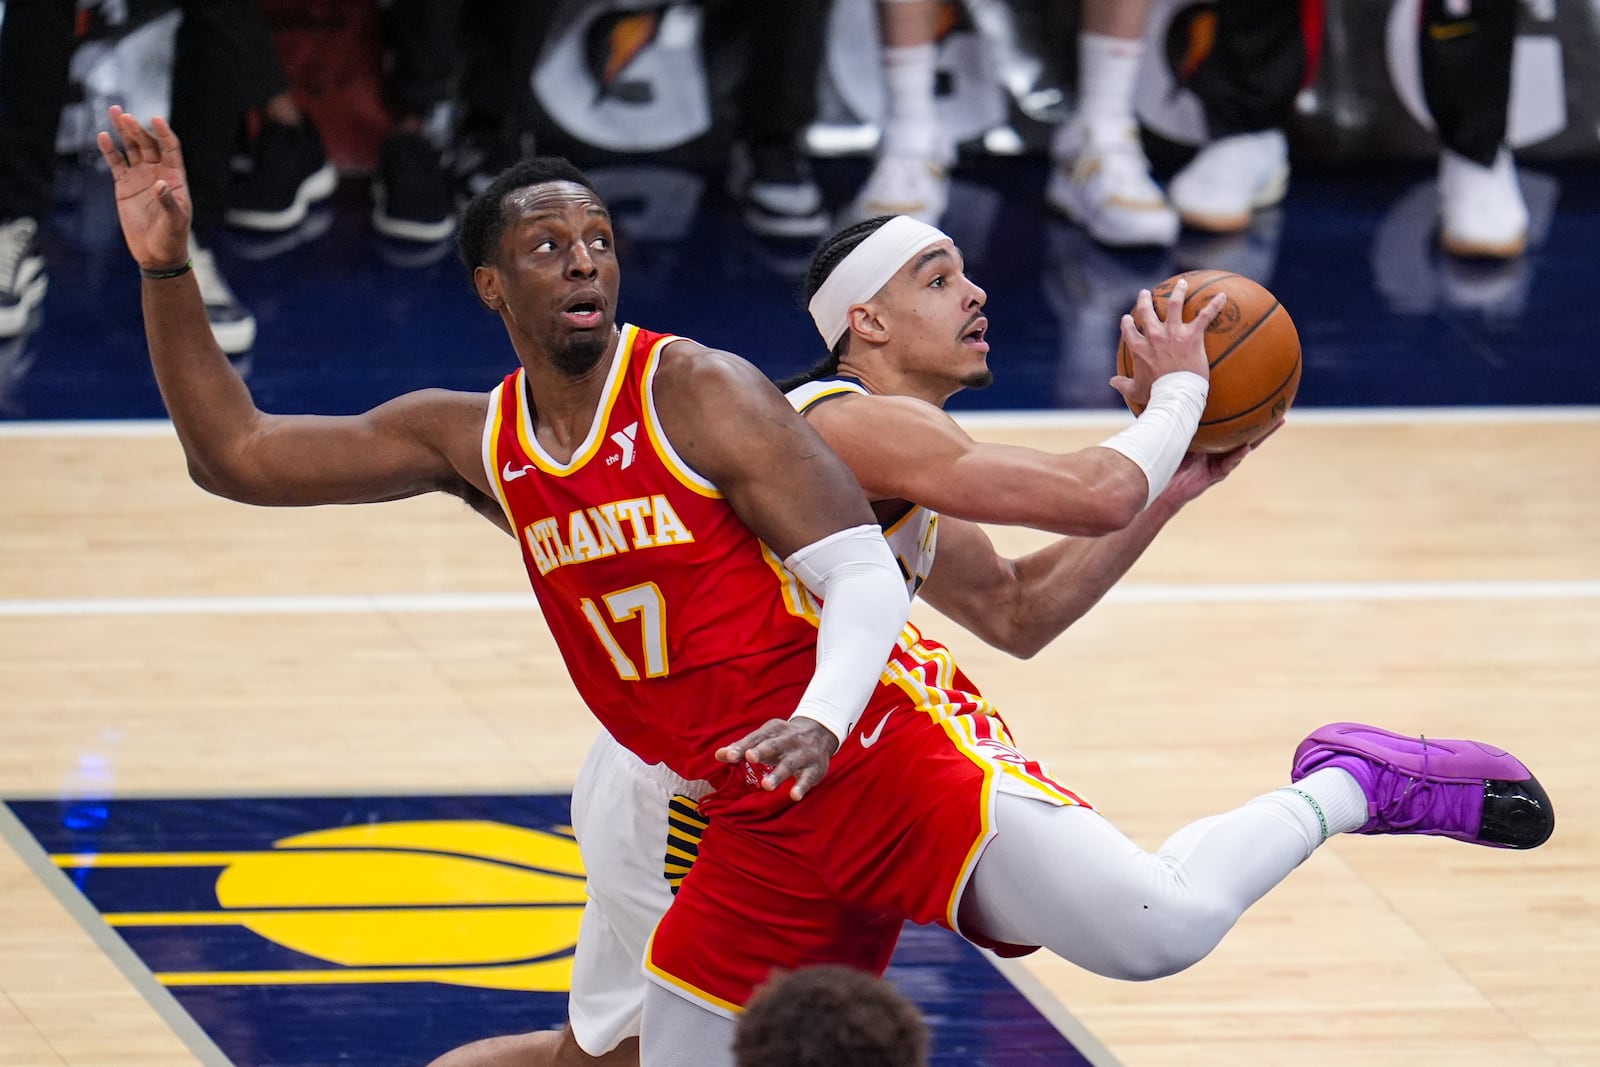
1169, 939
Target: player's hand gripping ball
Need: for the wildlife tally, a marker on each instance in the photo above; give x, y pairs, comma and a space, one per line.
1254, 352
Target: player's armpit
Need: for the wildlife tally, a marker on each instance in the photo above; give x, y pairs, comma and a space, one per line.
732, 426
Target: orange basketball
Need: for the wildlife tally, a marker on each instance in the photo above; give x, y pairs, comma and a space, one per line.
1254, 351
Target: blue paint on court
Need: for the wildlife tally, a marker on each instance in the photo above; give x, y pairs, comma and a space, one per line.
976, 1015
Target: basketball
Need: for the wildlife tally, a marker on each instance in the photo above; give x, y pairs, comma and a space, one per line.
1254, 352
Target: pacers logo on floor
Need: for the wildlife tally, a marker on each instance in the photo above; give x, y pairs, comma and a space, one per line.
469, 903
384, 931
438, 920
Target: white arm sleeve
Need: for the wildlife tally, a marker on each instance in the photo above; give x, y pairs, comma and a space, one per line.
1160, 436
864, 608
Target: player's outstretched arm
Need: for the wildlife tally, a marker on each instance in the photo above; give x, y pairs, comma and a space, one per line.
1021, 605
729, 423
417, 443
900, 447
903, 448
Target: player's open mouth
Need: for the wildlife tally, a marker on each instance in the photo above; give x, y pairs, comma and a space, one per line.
585, 314
974, 336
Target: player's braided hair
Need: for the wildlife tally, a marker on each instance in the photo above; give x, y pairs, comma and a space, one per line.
824, 260
483, 222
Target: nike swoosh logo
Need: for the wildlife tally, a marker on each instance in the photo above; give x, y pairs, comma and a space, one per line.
868, 740
511, 475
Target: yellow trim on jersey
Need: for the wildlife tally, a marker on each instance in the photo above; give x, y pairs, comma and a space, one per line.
491, 449
952, 904
597, 437
724, 1007
902, 520
837, 390
960, 727
797, 599
658, 437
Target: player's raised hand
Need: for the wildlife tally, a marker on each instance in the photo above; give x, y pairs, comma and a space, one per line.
797, 748
152, 189
1158, 346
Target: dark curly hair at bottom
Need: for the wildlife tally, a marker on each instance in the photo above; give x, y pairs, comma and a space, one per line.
830, 1016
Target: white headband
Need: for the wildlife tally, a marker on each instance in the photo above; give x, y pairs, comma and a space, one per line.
867, 268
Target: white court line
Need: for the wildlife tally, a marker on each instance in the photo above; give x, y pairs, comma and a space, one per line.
466, 603
996, 419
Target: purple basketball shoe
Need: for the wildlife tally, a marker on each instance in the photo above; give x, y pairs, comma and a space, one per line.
1461, 789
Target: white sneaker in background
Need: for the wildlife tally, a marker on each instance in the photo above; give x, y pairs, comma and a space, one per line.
1482, 213
910, 177
231, 322
1103, 184
904, 185
22, 276
1230, 179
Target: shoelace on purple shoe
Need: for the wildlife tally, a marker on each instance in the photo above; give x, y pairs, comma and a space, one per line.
1421, 809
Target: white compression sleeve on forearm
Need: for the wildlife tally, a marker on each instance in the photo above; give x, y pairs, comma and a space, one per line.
864, 608
1160, 436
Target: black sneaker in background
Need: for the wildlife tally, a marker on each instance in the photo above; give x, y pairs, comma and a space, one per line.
287, 173
774, 183
412, 199
483, 152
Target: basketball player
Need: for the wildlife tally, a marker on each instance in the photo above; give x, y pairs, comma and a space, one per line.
683, 530
899, 352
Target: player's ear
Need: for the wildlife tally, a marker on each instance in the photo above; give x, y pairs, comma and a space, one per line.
864, 321
486, 280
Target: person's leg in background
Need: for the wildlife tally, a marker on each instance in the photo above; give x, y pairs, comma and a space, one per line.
912, 172
500, 45
777, 100
36, 42
289, 170
1466, 49
412, 194
1100, 178
1247, 85
224, 62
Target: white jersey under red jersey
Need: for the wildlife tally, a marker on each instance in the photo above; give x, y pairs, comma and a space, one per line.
681, 630
913, 535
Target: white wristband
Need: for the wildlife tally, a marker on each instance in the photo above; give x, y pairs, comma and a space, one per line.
864, 608
1158, 438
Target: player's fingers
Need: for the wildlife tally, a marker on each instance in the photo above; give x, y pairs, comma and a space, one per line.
1144, 312
134, 130
111, 154
783, 770
735, 752
166, 139
1131, 335
809, 776
128, 133
1122, 385
1180, 289
1203, 317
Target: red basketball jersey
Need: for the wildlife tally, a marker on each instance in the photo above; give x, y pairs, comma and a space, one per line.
681, 630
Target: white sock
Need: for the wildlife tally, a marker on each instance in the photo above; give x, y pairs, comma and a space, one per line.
1331, 799
1108, 71
908, 72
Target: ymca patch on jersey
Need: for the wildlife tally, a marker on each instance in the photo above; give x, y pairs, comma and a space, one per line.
383, 931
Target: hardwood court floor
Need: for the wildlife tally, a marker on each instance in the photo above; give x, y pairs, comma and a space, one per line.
1438, 576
